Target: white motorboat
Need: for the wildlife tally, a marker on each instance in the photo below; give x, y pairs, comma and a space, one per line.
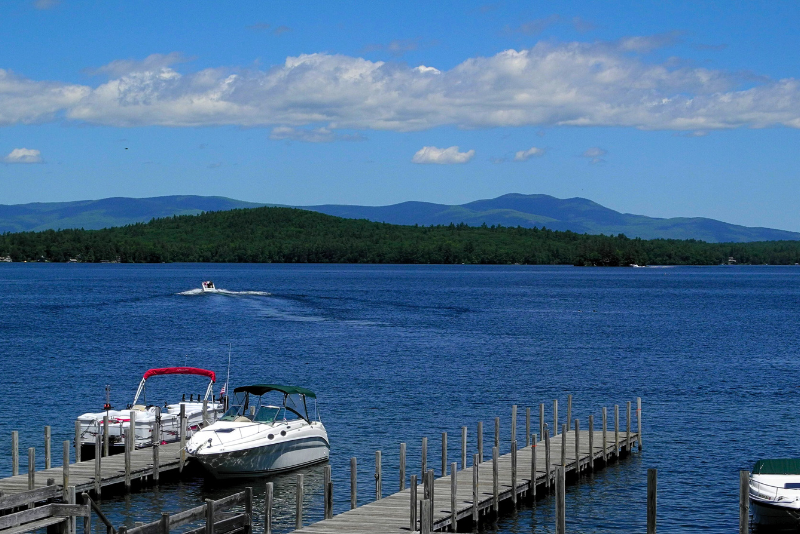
255, 437
775, 492
119, 420
208, 287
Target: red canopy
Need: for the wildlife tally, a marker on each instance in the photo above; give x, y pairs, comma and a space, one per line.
181, 371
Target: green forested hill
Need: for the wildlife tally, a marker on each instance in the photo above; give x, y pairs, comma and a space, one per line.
293, 235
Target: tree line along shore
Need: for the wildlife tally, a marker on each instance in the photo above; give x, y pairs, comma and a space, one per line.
288, 235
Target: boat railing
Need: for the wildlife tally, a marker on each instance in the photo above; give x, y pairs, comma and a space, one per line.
769, 492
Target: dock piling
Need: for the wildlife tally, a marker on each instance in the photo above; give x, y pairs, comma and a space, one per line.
547, 458
182, 431
541, 420
561, 515
497, 432
533, 467
480, 441
268, 499
14, 453
69, 498
98, 472
527, 427
413, 503
475, 480
513, 422
378, 477
569, 411
463, 447
77, 441
209, 516
628, 428
47, 447
327, 491
424, 455
402, 466
639, 421
132, 425
425, 518
65, 469
432, 487
453, 494
744, 502
87, 519
495, 481
616, 431
577, 446
31, 468
444, 454
563, 445
298, 498
555, 417
105, 435
156, 445
128, 448
514, 472
605, 439
353, 483
652, 480
591, 443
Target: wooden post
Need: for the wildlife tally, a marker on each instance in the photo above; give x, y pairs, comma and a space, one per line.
403, 467
527, 427
424, 456
555, 417
744, 502
533, 467
326, 491
98, 472
541, 420
444, 454
569, 411
431, 484
77, 441
639, 421
128, 448
628, 429
475, 463
31, 468
427, 495
353, 483
605, 439
105, 435
652, 479
65, 468
577, 446
164, 526
425, 517
14, 453
182, 433
156, 445
547, 457
591, 443
495, 481
268, 498
564, 446
453, 494
616, 431
561, 516
298, 498
47, 447
513, 422
209, 516
463, 447
497, 432
480, 441
413, 498
72, 522
514, 472
378, 481
87, 519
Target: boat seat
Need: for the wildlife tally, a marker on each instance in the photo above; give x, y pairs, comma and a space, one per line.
241, 419
139, 407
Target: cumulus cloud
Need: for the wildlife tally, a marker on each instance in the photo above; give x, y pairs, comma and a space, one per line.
525, 155
595, 155
152, 63
442, 156
23, 155
566, 84
311, 135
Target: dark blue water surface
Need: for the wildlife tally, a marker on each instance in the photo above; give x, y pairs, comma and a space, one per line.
396, 353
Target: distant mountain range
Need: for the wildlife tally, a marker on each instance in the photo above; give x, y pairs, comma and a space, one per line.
576, 214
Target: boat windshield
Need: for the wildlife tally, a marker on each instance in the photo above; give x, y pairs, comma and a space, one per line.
267, 414
231, 414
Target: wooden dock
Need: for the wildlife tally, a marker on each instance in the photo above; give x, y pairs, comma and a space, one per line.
83, 475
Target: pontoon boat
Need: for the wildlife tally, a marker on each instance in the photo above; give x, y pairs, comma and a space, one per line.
775, 492
255, 437
119, 420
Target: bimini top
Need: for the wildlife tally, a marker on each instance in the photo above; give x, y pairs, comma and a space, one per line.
781, 466
260, 389
181, 371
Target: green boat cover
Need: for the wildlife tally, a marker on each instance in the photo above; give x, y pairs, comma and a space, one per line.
780, 466
260, 389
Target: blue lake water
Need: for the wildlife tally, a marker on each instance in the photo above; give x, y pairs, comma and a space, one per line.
396, 353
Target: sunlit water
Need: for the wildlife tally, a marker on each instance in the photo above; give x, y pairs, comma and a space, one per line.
396, 353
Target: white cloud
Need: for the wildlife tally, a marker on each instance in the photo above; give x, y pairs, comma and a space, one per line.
315, 135
24, 155
595, 155
567, 84
525, 155
442, 156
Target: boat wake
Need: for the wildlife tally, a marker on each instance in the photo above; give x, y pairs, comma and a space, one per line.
193, 292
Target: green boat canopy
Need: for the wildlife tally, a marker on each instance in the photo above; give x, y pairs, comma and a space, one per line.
260, 389
781, 466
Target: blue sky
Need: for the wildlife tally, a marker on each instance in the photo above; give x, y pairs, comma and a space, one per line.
668, 109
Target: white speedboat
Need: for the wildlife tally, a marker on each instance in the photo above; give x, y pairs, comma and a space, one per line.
256, 437
208, 287
119, 420
775, 492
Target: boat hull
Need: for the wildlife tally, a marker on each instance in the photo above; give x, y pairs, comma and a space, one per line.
266, 459
772, 514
